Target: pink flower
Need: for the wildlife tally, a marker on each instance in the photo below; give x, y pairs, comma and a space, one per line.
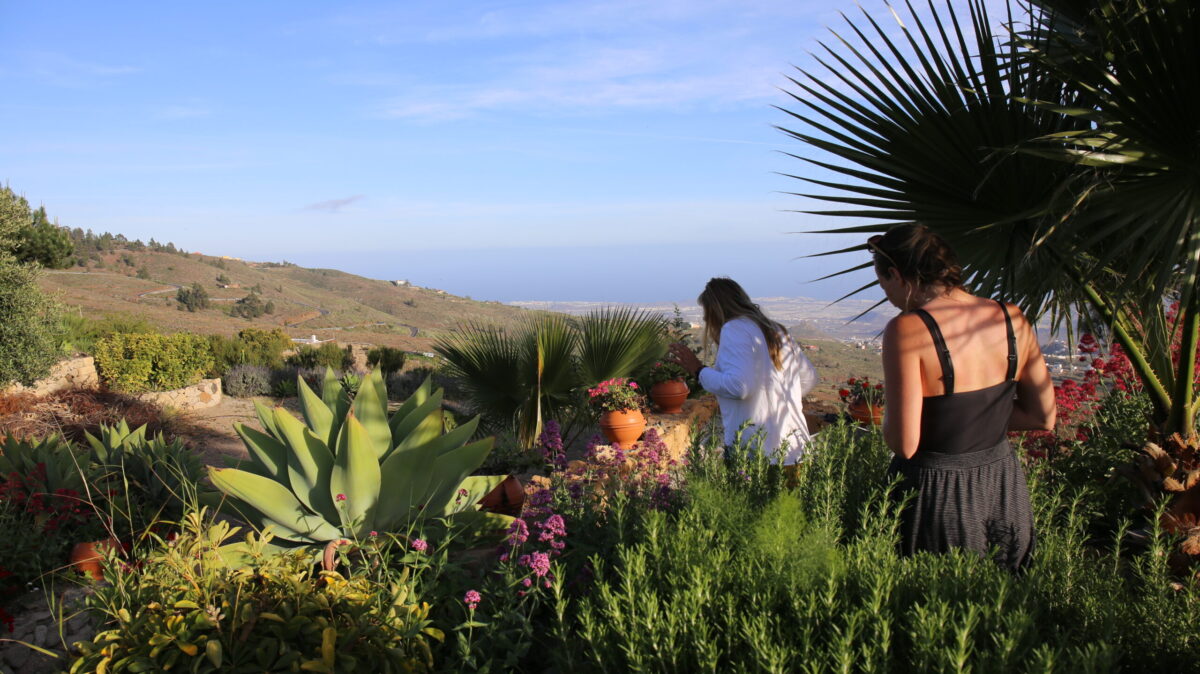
539, 563
472, 599
374, 533
420, 545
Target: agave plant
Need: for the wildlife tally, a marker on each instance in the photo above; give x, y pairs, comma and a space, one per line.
61, 466
162, 475
349, 468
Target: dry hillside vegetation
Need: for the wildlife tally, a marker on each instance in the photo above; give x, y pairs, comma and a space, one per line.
324, 302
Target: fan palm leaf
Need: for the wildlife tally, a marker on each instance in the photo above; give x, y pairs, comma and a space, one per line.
924, 128
618, 342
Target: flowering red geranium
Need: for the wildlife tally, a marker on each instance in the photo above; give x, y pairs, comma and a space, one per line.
616, 395
861, 390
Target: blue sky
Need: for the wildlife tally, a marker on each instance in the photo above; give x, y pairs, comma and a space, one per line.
504, 150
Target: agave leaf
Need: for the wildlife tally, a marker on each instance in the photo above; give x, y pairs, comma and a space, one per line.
427, 430
376, 377
442, 443
317, 414
418, 397
371, 411
98, 447
476, 487
267, 418
407, 475
403, 426
356, 477
309, 465
273, 501
267, 454
451, 469
480, 523
332, 391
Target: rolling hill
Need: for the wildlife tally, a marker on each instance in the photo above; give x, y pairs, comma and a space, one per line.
322, 302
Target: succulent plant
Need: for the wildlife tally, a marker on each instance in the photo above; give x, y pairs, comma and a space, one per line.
349, 468
159, 475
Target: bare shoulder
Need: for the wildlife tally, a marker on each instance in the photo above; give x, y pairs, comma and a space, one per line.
1020, 323
904, 328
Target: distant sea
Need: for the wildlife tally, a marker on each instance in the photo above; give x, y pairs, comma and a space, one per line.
634, 272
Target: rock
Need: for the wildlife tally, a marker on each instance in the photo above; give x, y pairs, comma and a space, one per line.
39, 635
16, 657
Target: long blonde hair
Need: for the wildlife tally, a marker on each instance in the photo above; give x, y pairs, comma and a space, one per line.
724, 300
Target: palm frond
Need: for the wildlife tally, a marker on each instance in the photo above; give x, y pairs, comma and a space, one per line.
618, 342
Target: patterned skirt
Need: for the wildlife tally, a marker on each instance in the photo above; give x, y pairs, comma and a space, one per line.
978, 501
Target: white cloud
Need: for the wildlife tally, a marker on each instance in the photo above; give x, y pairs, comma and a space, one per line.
66, 71
585, 57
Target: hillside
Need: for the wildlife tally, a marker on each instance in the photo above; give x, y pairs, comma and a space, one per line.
324, 302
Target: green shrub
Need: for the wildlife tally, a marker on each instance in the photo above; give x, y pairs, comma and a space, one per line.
136, 363
385, 358
80, 333
252, 346
750, 576
193, 299
187, 609
247, 381
326, 355
252, 306
28, 318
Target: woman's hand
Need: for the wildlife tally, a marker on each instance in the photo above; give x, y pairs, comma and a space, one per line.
682, 355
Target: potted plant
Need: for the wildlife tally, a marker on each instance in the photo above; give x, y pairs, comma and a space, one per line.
864, 400
668, 388
620, 403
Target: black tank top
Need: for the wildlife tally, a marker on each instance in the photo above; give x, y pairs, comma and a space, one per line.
971, 421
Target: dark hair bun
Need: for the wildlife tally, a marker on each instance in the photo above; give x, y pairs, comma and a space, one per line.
919, 253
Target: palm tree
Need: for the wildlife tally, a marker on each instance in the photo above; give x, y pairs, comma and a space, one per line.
519, 379
1060, 157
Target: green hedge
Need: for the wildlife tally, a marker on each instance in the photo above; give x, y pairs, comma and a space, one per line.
137, 363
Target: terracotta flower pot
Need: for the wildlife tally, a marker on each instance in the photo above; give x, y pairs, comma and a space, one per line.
88, 557
623, 427
506, 499
669, 396
867, 414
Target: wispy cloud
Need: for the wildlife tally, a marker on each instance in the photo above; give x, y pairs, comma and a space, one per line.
62, 70
334, 205
584, 57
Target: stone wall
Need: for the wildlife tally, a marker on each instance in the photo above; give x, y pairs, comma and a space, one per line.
35, 621
676, 429
66, 374
207, 393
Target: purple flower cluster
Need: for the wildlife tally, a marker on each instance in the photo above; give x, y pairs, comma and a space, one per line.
551, 444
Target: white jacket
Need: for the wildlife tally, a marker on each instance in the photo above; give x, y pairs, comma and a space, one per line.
749, 388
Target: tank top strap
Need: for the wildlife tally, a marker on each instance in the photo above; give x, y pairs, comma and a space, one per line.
1012, 343
943, 352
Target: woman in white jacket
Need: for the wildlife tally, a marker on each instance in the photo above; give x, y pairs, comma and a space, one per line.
760, 374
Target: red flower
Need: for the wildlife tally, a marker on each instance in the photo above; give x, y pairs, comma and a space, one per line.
844, 393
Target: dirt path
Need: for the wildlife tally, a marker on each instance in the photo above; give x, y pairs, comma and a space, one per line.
210, 431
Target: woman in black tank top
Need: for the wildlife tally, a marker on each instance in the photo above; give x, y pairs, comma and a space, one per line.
966, 486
